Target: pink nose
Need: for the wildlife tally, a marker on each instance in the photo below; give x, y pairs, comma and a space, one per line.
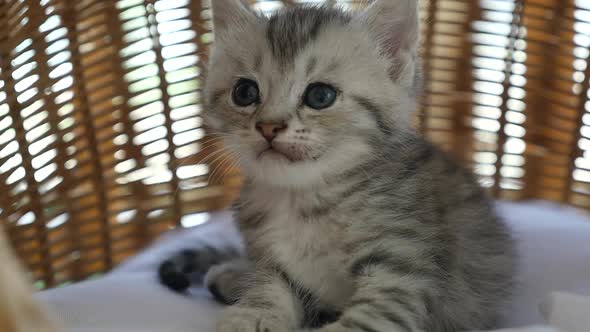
270, 130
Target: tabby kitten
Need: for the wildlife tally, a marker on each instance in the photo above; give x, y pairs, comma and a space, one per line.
352, 222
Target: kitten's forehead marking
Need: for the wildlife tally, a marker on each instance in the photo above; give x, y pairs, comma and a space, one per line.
311, 66
257, 62
290, 31
375, 111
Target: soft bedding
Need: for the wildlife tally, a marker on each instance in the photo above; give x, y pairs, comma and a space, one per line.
568, 312
554, 291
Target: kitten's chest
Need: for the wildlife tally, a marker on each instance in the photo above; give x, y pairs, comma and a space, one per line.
311, 252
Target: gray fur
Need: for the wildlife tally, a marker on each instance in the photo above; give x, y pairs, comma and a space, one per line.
354, 214
461, 251
293, 29
375, 111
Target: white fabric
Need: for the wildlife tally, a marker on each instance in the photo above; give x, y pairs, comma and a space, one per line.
552, 240
537, 328
554, 249
568, 312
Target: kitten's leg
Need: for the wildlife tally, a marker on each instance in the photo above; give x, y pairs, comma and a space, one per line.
268, 305
228, 281
391, 296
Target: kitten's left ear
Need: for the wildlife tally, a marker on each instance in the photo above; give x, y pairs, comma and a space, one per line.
231, 14
396, 26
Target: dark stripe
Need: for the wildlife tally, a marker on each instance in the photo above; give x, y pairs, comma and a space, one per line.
314, 317
311, 66
417, 159
251, 220
328, 205
317, 211
321, 318
356, 325
428, 303
371, 259
401, 297
360, 186
393, 232
396, 232
389, 294
394, 264
216, 96
418, 77
259, 327
257, 62
380, 310
219, 297
444, 259
394, 292
475, 195
298, 113
315, 28
358, 170
376, 112
324, 207
395, 319
290, 31
332, 67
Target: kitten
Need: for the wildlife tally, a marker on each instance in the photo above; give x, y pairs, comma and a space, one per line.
352, 222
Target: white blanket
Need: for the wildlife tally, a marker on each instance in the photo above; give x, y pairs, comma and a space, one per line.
552, 240
568, 312
564, 312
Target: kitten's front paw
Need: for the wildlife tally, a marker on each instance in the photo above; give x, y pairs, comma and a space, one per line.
237, 319
339, 327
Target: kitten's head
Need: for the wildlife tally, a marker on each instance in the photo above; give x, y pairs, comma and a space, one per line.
310, 90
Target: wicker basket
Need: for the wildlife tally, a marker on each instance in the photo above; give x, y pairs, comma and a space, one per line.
101, 147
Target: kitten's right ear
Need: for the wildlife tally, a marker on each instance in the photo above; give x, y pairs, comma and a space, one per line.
231, 14
396, 27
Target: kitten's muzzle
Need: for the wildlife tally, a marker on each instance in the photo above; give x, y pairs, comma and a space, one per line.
290, 152
270, 130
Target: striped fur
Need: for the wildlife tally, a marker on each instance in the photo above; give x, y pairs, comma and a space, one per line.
372, 229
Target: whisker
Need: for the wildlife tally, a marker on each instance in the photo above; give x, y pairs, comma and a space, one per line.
212, 154
224, 154
228, 168
220, 166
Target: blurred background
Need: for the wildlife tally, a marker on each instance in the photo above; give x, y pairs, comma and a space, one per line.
101, 145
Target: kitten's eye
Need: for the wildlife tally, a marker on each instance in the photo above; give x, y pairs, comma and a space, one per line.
245, 92
320, 95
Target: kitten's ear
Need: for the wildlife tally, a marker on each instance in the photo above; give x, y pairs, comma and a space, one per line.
396, 26
231, 14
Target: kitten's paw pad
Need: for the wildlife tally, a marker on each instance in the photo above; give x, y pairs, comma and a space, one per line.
220, 295
249, 320
189, 266
175, 271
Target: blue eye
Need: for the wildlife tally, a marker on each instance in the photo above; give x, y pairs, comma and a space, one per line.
245, 93
320, 96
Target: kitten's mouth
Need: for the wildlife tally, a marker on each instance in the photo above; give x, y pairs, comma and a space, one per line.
292, 153
273, 153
